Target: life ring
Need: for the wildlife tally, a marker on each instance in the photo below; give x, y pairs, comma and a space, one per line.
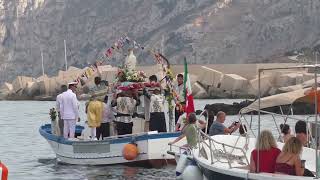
130, 151
3, 172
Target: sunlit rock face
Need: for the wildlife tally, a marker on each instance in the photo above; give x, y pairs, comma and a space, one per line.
205, 31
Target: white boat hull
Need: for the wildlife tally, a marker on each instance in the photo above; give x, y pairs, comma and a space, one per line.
152, 147
219, 170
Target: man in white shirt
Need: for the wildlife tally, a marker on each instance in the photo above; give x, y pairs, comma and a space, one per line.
64, 88
69, 110
179, 100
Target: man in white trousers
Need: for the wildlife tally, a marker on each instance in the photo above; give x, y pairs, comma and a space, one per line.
69, 110
64, 88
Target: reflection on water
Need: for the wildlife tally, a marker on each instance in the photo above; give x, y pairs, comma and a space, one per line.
29, 156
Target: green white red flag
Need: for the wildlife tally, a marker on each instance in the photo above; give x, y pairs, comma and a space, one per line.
187, 90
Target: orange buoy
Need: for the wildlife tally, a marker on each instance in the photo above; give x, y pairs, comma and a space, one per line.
130, 151
3, 171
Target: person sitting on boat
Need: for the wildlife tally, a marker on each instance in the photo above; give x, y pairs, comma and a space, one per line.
125, 103
301, 132
69, 110
182, 121
289, 162
217, 127
268, 153
189, 131
108, 117
157, 116
286, 132
207, 116
63, 89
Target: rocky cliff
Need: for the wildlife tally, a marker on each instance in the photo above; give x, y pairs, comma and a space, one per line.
206, 31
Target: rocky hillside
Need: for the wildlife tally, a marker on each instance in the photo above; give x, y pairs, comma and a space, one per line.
206, 31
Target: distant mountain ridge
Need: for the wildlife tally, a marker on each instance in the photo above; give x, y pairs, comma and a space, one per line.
205, 31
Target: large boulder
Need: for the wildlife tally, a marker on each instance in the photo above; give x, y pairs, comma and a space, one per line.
198, 91
20, 83
308, 76
5, 90
288, 79
6, 87
233, 82
25, 91
210, 77
108, 72
265, 85
34, 90
71, 74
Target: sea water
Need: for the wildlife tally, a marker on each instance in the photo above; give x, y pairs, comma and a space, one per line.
28, 156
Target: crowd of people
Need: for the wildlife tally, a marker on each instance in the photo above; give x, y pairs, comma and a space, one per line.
285, 161
115, 113
118, 112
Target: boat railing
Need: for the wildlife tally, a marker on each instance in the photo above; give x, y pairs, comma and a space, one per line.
219, 153
285, 117
181, 149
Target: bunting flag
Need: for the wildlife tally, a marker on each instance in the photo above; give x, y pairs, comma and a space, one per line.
187, 90
120, 43
109, 52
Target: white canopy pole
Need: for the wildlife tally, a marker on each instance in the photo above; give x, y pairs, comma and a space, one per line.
316, 118
259, 120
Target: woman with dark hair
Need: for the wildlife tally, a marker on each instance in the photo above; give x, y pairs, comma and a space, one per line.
286, 132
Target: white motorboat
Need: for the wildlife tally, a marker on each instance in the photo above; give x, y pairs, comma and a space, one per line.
228, 156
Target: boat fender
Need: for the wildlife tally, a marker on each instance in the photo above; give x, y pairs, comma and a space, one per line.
130, 151
192, 172
3, 172
181, 165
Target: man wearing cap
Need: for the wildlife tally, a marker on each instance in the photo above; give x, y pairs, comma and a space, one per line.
69, 110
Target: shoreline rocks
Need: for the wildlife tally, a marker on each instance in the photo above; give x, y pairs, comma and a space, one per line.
298, 108
210, 81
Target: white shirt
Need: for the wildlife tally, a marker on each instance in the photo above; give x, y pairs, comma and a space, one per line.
182, 121
180, 92
125, 105
69, 105
108, 115
156, 103
58, 102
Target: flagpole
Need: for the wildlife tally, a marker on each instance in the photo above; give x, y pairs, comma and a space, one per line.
65, 54
42, 63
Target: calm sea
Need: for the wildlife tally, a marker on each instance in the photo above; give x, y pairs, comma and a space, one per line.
28, 156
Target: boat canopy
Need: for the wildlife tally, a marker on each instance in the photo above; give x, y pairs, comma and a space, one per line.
280, 100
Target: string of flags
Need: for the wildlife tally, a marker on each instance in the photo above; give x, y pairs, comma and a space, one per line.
116, 47
120, 43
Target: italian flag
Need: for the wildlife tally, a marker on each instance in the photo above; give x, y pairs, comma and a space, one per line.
187, 90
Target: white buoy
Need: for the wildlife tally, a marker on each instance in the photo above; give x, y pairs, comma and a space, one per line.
192, 172
181, 165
